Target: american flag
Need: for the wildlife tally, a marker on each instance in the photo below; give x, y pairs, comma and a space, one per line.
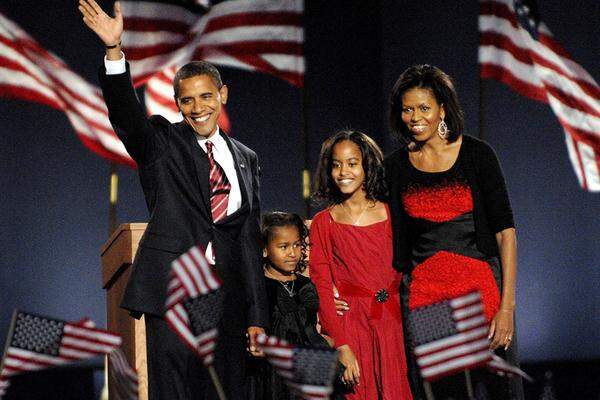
519, 50
35, 342
450, 336
308, 372
255, 35
124, 377
195, 303
29, 72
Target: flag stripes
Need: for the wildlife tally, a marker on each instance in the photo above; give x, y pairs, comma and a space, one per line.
125, 378
36, 343
264, 36
461, 341
529, 60
308, 372
29, 72
194, 292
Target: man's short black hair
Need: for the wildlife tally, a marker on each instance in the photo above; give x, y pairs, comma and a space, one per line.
196, 68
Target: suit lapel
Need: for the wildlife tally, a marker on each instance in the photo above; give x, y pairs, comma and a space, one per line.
202, 169
242, 169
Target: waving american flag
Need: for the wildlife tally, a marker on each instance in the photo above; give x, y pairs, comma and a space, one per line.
159, 36
255, 35
518, 49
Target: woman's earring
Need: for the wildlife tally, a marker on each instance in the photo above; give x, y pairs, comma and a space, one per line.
442, 130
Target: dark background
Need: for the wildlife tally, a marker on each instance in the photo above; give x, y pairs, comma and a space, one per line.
54, 197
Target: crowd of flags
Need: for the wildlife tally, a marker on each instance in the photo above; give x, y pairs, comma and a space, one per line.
516, 48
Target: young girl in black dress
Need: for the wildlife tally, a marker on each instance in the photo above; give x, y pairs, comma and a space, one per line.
292, 297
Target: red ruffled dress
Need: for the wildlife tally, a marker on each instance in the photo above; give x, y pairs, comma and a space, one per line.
358, 260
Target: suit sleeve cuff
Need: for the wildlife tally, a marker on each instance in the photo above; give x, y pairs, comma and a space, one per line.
115, 67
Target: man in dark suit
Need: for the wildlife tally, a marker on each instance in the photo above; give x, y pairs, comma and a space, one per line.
201, 187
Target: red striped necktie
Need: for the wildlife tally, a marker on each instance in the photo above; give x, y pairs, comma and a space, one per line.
219, 186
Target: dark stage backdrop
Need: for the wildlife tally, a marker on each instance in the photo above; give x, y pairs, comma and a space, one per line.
54, 191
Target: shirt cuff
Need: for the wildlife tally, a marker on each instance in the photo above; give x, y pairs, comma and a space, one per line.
115, 67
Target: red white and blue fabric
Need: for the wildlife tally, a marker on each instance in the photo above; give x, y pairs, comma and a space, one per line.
30, 72
519, 50
262, 35
308, 372
195, 303
451, 336
124, 377
35, 342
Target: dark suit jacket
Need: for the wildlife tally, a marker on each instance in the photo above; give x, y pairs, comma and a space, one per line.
174, 173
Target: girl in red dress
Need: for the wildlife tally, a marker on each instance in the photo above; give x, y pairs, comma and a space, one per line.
352, 251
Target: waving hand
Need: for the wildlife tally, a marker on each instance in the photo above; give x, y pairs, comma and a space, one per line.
108, 29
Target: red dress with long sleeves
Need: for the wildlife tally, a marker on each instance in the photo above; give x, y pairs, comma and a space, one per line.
358, 260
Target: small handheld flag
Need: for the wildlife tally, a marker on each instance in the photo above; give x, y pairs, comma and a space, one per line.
195, 306
308, 372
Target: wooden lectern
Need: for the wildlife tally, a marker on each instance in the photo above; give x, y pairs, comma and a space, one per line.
117, 259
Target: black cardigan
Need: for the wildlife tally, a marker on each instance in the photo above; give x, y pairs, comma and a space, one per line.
491, 207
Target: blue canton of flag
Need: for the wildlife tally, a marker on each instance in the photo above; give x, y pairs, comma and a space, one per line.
308, 372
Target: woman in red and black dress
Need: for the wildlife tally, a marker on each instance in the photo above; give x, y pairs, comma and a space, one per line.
352, 249
453, 226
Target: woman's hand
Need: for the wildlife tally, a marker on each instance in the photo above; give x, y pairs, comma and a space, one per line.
108, 29
502, 329
340, 305
348, 359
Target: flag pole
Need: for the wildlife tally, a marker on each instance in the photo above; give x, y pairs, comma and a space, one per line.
469, 383
216, 382
428, 391
11, 329
113, 192
306, 167
482, 85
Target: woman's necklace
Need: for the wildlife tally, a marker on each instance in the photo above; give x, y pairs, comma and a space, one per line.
288, 289
357, 220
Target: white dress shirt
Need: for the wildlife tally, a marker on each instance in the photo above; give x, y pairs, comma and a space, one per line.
221, 153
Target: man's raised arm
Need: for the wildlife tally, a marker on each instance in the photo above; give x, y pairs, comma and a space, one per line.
108, 29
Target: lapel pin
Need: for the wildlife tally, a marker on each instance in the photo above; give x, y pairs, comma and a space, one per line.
242, 166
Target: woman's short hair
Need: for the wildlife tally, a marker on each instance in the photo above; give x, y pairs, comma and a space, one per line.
326, 191
441, 85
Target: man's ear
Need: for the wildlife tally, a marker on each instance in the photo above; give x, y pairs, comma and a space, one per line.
224, 92
265, 253
177, 102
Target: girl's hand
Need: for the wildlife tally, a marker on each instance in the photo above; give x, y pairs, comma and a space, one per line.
348, 359
108, 29
501, 329
340, 305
